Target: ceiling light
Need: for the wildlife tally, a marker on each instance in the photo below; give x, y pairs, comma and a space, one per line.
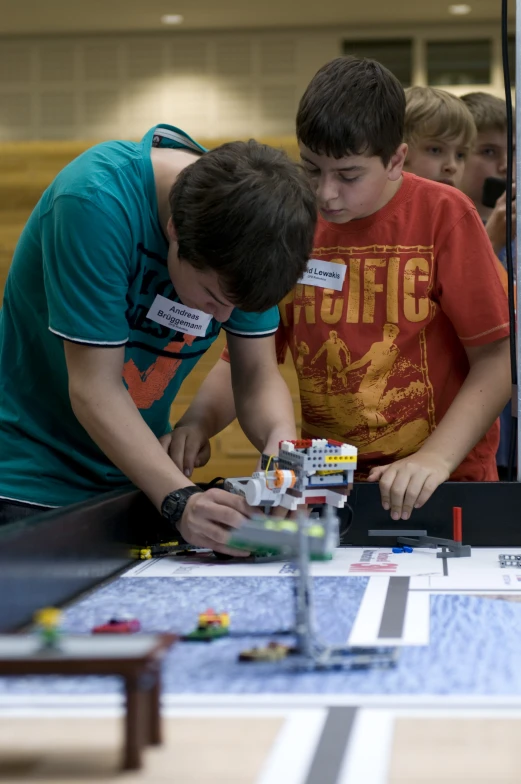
172, 19
460, 10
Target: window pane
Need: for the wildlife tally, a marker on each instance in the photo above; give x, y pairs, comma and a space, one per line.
458, 62
396, 55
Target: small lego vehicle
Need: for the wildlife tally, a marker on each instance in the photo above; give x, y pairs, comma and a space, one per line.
274, 651
210, 626
118, 626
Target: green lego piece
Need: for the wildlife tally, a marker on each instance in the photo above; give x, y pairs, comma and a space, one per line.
205, 635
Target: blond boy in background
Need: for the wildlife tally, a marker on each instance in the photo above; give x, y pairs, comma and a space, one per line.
440, 133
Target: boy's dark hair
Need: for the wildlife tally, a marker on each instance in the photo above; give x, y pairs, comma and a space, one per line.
248, 212
489, 112
352, 106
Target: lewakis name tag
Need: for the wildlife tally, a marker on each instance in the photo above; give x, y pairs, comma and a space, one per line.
325, 274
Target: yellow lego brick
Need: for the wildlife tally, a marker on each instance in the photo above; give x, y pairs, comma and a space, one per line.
340, 459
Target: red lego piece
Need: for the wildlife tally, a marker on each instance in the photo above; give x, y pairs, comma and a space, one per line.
457, 528
319, 499
299, 443
332, 442
116, 626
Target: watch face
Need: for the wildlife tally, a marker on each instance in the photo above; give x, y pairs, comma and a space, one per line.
171, 504
174, 504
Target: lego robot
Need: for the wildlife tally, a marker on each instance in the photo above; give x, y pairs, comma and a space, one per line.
306, 471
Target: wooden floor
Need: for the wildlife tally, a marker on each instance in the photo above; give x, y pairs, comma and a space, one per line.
455, 751
81, 751
25, 171
233, 750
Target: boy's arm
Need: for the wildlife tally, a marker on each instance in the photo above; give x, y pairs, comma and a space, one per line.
213, 408
105, 409
408, 483
262, 398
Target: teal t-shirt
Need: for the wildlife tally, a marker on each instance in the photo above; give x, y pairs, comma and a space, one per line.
87, 268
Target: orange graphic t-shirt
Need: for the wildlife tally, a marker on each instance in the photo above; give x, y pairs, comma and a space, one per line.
380, 361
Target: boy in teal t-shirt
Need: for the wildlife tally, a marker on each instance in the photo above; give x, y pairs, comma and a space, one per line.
131, 261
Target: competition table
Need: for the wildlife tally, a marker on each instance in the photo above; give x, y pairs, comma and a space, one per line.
450, 709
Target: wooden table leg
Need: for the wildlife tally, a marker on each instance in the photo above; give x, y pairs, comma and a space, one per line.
154, 710
133, 724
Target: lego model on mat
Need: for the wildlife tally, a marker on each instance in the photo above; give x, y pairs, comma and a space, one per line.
210, 626
306, 471
308, 652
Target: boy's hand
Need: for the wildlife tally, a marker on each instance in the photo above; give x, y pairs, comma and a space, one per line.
408, 483
188, 446
496, 225
209, 518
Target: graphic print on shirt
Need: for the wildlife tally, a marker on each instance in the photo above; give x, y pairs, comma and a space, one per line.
357, 381
156, 354
147, 386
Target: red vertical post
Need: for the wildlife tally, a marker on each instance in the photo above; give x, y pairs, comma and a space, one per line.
457, 531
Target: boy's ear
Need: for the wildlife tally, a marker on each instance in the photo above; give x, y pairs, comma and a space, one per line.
172, 235
395, 165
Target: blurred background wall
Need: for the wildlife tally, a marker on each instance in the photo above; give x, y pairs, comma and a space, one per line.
73, 73
215, 83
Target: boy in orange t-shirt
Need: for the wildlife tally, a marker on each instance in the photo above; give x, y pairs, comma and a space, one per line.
399, 328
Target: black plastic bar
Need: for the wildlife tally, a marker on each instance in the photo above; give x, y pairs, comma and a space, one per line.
50, 558
491, 514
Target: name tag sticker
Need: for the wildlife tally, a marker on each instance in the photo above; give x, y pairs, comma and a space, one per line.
325, 274
178, 316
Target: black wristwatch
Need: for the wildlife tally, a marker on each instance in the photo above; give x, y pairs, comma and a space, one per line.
174, 503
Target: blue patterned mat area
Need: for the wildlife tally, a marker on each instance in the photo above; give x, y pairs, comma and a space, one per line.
475, 644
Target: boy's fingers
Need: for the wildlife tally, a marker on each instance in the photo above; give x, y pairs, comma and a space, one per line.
165, 441
231, 501
194, 446
203, 455
413, 492
386, 481
398, 489
375, 473
428, 489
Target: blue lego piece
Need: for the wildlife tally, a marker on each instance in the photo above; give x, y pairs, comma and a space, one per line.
398, 549
407, 549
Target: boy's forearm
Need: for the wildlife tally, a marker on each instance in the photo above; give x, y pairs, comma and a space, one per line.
265, 411
112, 420
213, 407
477, 405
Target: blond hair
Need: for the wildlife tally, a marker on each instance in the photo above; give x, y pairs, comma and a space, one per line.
436, 114
489, 112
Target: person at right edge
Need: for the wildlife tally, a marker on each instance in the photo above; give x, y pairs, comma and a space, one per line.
417, 302
488, 158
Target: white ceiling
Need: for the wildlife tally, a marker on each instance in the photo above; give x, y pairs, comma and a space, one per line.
79, 16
